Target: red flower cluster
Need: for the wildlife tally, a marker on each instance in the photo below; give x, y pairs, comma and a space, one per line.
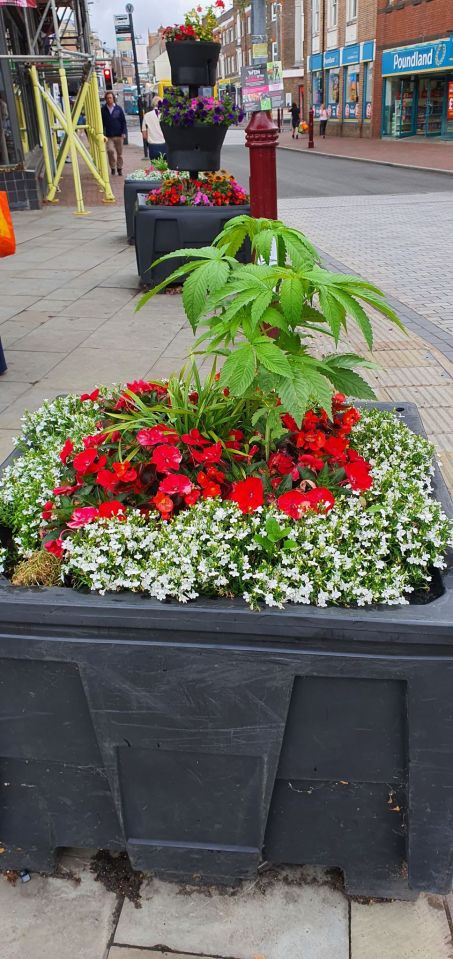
157, 469
217, 189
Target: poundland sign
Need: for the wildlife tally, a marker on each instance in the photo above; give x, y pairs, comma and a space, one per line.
427, 57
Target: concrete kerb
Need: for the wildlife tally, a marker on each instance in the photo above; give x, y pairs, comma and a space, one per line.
342, 156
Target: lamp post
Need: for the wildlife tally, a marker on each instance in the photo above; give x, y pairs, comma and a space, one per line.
130, 10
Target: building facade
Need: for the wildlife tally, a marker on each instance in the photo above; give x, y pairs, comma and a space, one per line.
414, 69
340, 45
285, 43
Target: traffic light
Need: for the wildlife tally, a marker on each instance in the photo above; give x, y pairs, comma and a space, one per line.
108, 78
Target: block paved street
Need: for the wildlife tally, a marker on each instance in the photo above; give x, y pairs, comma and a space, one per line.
68, 322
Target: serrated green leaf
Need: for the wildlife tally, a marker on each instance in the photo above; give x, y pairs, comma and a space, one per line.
238, 370
262, 243
357, 312
291, 299
352, 384
272, 358
261, 304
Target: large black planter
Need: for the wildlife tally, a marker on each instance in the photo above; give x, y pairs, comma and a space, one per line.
131, 190
194, 148
204, 737
162, 229
193, 64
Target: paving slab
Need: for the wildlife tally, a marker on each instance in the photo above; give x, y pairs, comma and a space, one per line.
28, 365
84, 368
401, 930
49, 918
279, 919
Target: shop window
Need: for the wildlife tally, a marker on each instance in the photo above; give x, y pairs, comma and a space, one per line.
399, 103
273, 11
315, 17
352, 10
275, 50
316, 87
333, 93
368, 91
351, 92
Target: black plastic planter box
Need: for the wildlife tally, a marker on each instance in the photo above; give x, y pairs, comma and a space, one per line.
205, 737
194, 148
131, 190
162, 229
193, 64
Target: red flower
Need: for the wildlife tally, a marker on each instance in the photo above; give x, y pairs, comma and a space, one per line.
124, 472
111, 508
66, 451
82, 515
281, 463
90, 442
315, 440
107, 479
248, 494
65, 490
194, 438
154, 435
166, 458
210, 454
55, 546
47, 511
163, 504
89, 396
193, 397
175, 483
338, 399
335, 446
294, 503
83, 462
320, 497
358, 475
210, 488
289, 423
311, 462
310, 420
192, 497
142, 386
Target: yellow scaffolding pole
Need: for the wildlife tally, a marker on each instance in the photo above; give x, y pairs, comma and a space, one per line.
68, 120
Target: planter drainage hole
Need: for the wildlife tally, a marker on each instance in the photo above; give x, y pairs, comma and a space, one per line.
400, 409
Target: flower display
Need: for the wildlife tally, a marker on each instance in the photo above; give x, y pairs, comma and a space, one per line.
199, 24
180, 111
214, 189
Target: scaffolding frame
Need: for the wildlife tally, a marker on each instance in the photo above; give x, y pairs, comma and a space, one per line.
59, 121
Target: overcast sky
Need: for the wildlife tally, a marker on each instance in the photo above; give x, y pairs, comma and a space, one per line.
146, 15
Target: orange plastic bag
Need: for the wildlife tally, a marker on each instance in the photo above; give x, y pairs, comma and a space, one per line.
7, 238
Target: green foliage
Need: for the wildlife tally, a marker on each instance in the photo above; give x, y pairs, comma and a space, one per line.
262, 316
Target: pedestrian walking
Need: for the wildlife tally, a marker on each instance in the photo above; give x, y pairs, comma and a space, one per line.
152, 131
295, 120
323, 118
115, 130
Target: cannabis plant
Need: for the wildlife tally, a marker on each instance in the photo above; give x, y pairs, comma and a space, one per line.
262, 317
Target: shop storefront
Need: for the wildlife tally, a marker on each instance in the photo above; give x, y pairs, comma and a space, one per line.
342, 79
418, 90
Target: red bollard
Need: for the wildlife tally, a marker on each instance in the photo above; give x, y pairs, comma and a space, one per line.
311, 127
261, 137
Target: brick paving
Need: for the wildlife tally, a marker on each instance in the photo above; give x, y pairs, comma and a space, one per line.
422, 154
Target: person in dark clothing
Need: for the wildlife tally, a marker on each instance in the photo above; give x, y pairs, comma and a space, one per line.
115, 130
295, 120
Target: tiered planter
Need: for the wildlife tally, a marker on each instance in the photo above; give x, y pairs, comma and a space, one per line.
205, 737
162, 229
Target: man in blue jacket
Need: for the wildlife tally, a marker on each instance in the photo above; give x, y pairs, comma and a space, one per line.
115, 130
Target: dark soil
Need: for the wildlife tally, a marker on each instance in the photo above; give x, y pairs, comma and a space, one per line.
115, 873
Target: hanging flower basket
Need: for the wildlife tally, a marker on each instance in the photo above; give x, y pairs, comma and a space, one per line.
193, 63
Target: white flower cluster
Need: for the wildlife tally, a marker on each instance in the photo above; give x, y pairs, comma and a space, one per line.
27, 483
366, 550
3, 558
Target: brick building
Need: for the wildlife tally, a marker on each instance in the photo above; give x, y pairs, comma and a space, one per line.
285, 37
340, 42
413, 93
